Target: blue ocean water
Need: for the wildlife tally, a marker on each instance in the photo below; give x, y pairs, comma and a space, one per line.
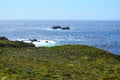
101, 34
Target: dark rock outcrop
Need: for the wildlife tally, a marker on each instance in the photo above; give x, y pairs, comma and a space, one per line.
5, 42
33, 40
60, 27
56, 27
65, 28
3, 38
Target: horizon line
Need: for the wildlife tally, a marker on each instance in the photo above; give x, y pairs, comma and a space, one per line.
59, 20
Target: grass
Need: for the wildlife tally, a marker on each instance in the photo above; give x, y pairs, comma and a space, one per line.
66, 62
15, 44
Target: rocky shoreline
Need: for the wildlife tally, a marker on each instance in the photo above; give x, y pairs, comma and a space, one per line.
37, 43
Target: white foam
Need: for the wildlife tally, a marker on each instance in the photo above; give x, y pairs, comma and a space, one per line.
40, 43
44, 43
27, 41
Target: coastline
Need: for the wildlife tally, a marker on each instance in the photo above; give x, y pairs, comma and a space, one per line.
101, 34
24, 61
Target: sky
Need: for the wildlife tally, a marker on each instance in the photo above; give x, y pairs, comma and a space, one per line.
60, 9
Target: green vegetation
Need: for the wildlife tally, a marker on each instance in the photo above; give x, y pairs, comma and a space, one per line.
67, 62
15, 44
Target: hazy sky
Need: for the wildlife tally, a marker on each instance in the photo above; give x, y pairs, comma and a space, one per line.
60, 9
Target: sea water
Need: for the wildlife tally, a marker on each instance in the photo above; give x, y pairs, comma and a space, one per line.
100, 34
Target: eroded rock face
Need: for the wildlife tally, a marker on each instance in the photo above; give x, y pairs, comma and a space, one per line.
3, 38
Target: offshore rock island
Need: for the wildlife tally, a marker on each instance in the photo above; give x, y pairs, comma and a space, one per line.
60, 27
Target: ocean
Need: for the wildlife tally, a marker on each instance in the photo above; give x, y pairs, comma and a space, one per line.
100, 34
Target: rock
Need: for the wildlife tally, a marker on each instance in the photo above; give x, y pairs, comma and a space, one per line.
65, 28
56, 27
32, 40
60, 27
3, 38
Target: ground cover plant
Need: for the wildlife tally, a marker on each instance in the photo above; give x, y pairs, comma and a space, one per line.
66, 62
